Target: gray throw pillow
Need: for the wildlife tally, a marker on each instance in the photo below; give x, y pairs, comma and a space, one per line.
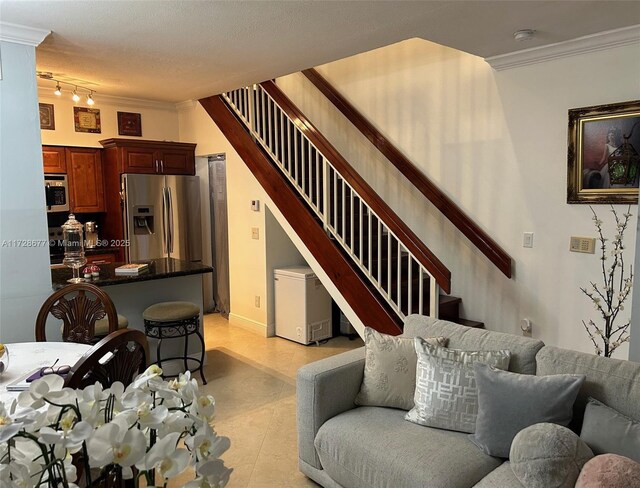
389, 370
509, 402
606, 431
548, 456
446, 396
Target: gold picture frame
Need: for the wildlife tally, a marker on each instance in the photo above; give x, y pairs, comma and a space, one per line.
47, 116
87, 119
604, 154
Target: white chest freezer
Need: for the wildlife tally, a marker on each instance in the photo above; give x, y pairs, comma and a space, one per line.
303, 306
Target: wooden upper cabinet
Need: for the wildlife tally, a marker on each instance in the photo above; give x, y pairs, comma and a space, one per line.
86, 184
53, 159
151, 157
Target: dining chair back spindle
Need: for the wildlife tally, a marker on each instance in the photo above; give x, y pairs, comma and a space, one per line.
79, 306
120, 356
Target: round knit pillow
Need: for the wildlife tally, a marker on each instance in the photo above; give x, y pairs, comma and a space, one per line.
609, 471
548, 456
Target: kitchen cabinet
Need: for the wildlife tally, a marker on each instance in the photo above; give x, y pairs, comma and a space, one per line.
53, 159
86, 184
150, 157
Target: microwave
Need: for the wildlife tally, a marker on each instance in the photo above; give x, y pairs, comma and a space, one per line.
56, 193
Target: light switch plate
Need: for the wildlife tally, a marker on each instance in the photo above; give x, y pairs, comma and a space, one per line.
527, 239
255, 233
582, 244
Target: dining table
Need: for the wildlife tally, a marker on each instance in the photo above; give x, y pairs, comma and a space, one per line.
28, 357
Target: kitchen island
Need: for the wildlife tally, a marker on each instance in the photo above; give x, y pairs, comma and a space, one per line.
165, 280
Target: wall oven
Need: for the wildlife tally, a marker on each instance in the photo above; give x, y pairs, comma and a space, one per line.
56, 193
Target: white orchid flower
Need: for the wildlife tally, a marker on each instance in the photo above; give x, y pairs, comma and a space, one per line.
215, 472
72, 434
39, 389
115, 443
146, 415
204, 407
165, 458
207, 444
151, 373
175, 421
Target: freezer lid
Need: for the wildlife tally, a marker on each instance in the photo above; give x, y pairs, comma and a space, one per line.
300, 272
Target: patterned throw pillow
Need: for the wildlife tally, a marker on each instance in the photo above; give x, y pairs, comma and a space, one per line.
446, 396
389, 370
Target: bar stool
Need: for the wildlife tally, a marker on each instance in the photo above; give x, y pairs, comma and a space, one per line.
170, 320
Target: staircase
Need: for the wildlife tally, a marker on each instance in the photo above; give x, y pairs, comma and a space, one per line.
292, 160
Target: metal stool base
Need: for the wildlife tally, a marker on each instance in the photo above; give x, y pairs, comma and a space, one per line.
176, 329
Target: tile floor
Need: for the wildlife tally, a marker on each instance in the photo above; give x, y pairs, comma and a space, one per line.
253, 379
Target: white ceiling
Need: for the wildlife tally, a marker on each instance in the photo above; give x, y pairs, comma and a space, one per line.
175, 50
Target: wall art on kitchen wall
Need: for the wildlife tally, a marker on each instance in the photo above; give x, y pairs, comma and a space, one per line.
604, 154
47, 119
129, 124
87, 119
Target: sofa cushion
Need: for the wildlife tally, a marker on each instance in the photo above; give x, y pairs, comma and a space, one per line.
523, 349
548, 456
608, 431
446, 396
614, 382
509, 402
389, 370
501, 477
609, 471
371, 447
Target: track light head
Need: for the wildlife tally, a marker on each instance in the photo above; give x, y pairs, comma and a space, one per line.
75, 97
58, 91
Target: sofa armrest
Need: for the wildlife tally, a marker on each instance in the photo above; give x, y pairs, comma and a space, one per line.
325, 389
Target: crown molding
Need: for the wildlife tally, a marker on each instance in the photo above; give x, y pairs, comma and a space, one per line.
22, 34
572, 47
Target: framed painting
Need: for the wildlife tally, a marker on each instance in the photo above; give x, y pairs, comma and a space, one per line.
47, 117
604, 154
129, 124
87, 119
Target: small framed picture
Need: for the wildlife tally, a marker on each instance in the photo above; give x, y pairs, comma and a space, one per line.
129, 124
87, 119
47, 118
604, 154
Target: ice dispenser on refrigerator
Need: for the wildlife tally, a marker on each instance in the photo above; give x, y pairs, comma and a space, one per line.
302, 306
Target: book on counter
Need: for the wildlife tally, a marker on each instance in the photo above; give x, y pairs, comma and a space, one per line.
131, 269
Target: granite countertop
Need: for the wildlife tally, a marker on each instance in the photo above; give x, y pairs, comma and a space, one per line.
158, 269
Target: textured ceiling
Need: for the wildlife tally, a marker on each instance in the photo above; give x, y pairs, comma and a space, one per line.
178, 50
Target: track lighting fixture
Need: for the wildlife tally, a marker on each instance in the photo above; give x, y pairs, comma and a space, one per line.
75, 96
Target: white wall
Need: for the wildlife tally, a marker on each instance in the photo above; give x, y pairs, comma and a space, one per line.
25, 278
496, 143
159, 119
247, 260
280, 252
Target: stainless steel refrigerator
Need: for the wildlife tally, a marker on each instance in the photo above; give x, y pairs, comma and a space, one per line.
162, 217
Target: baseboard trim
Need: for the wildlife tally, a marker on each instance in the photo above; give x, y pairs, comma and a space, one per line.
248, 324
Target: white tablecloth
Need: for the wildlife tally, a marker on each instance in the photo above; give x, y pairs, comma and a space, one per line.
25, 357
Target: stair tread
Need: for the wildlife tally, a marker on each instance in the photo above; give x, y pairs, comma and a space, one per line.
470, 323
449, 300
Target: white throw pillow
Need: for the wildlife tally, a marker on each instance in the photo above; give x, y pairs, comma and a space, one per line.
389, 370
446, 395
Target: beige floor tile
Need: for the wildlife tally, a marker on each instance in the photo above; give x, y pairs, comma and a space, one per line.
252, 379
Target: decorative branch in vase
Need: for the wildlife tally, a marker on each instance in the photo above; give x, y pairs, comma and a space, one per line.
608, 298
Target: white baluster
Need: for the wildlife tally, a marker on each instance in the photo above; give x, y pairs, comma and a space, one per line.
325, 193
420, 291
434, 299
379, 253
410, 287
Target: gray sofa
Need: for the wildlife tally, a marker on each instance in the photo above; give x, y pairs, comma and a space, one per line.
344, 446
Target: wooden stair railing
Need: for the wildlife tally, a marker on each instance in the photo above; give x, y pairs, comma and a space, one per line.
394, 260
442, 202
363, 299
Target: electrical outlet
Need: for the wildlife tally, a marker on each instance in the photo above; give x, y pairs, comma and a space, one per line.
257, 301
255, 233
583, 244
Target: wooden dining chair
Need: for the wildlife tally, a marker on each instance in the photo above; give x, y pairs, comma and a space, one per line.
120, 356
79, 306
